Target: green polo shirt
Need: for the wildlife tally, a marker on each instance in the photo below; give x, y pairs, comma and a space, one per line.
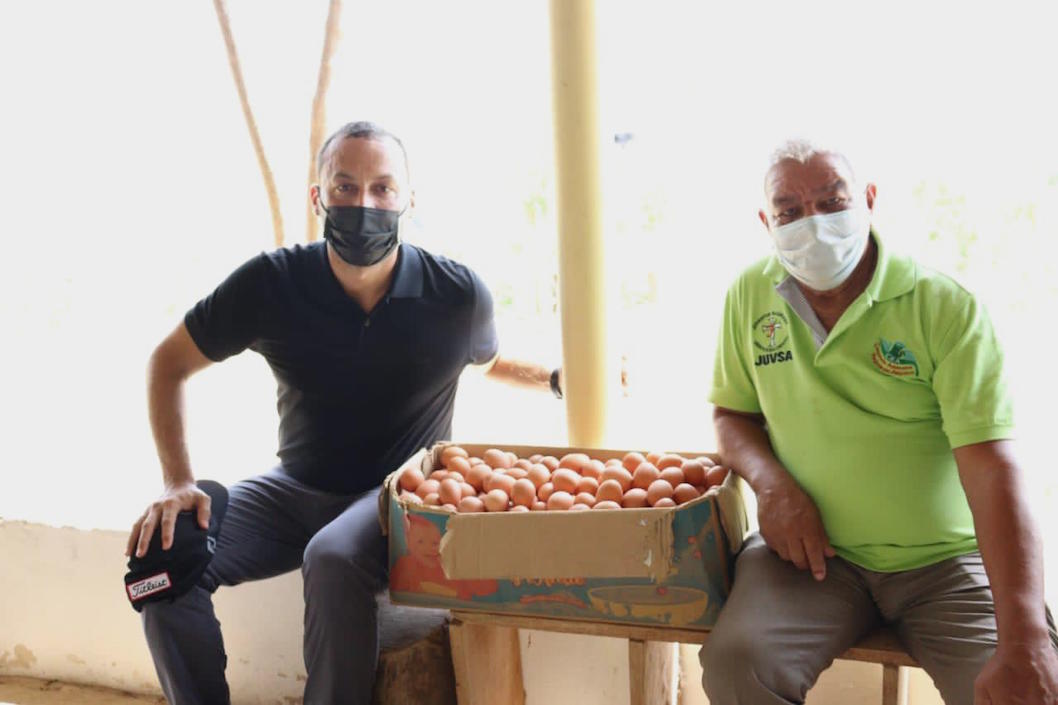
865, 417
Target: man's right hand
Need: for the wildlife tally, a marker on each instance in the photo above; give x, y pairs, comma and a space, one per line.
791, 526
163, 511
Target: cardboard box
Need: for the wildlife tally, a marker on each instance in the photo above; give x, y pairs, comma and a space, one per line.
642, 566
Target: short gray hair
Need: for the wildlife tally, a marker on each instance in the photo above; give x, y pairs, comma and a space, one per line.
801, 150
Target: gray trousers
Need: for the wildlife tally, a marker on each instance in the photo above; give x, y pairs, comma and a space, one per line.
780, 628
273, 525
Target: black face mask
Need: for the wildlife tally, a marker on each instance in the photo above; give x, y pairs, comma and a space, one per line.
361, 236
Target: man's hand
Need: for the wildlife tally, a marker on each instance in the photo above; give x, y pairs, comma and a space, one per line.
174, 500
1026, 674
791, 526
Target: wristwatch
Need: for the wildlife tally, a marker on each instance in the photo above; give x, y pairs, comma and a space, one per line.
555, 389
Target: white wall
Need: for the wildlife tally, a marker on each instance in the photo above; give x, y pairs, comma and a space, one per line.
63, 615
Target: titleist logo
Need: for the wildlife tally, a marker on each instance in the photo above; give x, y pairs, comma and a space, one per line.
148, 586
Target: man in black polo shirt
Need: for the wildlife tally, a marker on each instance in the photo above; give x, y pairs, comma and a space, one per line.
367, 338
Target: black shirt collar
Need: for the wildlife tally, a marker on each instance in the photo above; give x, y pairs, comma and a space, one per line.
407, 276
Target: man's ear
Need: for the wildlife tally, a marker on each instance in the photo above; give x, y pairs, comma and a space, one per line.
870, 192
314, 197
764, 219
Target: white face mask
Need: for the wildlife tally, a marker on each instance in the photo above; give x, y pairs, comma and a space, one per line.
821, 251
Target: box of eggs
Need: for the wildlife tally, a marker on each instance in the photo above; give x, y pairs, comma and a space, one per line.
587, 534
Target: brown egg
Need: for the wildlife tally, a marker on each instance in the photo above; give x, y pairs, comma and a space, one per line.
606, 504
587, 484
410, 497
478, 474
410, 479
439, 475
632, 461
716, 475
539, 506
468, 489
565, 480
539, 474
523, 463
684, 493
635, 497
664, 502
701, 489
659, 489
612, 462
653, 457
544, 491
449, 507
496, 458
559, 501
450, 452
694, 471
673, 476
620, 474
518, 508
550, 462
578, 507
459, 465
593, 469
574, 461
669, 460
474, 460
432, 500
535, 458
706, 461
512, 458
500, 481
585, 498
610, 491
428, 487
524, 492
451, 491
516, 473
470, 505
496, 501
645, 474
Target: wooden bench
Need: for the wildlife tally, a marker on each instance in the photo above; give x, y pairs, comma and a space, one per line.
415, 661
488, 666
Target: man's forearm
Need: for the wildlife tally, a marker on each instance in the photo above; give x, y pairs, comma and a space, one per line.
744, 446
165, 403
1009, 543
529, 375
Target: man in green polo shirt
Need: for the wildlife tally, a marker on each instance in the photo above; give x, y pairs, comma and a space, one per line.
862, 398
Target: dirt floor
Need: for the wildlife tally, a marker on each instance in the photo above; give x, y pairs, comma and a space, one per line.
31, 691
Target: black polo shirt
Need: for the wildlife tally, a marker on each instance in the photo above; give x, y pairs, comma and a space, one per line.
357, 394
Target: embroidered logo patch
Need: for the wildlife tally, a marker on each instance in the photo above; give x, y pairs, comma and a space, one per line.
148, 586
771, 332
894, 359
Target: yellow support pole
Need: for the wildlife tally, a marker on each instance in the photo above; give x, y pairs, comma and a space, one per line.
582, 275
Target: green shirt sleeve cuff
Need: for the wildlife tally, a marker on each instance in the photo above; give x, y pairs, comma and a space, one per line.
723, 398
983, 434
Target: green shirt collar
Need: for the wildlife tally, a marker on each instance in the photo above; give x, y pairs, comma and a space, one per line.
894, 275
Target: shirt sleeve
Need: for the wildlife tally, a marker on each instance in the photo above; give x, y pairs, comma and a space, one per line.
228, 320
733, 386
484, 343
969, 382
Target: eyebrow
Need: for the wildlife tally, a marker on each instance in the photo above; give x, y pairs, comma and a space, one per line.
380, 177
836, 185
